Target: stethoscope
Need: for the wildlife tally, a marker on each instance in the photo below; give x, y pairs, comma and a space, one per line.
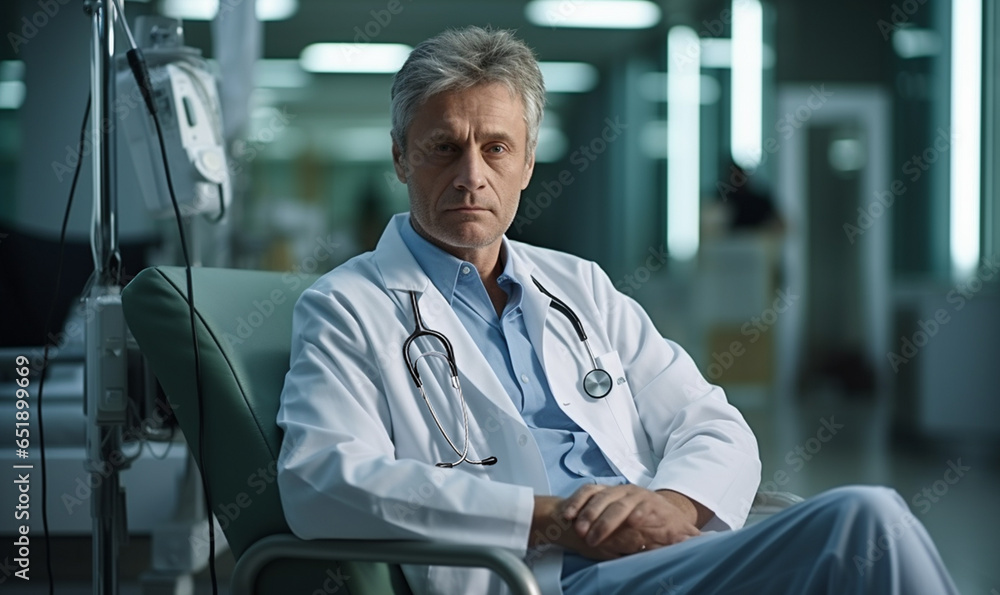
596, 383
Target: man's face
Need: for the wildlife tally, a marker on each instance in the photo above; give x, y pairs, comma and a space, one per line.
465, 165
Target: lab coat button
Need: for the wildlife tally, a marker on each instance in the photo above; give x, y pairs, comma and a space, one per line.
522, 440
524, 378
621, 380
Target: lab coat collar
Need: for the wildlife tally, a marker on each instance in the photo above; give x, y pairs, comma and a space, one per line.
399, 269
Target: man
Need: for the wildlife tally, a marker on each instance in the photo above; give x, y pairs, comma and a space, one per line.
565, 450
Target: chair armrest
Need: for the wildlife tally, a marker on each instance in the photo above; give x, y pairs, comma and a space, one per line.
511, 569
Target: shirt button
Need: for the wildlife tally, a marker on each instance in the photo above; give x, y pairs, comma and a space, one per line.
522, 440
465, 270
524, 378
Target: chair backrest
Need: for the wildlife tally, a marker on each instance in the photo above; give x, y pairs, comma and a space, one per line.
243, 326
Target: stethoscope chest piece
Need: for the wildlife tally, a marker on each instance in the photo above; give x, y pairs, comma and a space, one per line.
597, 383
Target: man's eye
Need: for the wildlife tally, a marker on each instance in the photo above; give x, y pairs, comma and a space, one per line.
443, 148
497, 149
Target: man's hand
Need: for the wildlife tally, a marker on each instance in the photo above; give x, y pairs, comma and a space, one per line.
603, 522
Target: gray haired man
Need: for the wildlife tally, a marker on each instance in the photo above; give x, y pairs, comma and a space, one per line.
551, 417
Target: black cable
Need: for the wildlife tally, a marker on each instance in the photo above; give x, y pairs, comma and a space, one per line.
45, 352
148, 444
138, 66
222, 206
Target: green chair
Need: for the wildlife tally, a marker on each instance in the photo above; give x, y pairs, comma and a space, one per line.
243, 322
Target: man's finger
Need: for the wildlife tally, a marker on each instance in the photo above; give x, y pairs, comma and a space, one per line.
612, 517
575, 503
621, 499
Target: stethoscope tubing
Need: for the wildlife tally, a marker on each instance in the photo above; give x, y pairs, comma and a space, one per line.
596, 383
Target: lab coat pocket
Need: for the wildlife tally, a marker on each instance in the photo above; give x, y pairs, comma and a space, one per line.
621, 404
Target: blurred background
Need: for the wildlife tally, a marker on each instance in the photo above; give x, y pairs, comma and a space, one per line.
803, 194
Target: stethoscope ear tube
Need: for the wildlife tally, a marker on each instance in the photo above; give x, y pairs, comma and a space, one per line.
449, 355
597, 382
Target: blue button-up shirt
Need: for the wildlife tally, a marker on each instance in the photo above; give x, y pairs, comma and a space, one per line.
571, 456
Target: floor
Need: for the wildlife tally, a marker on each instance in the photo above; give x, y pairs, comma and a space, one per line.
808, 445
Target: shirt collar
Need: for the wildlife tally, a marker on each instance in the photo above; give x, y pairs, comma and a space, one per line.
444, 269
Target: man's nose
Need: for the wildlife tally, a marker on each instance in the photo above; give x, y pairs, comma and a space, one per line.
471, 174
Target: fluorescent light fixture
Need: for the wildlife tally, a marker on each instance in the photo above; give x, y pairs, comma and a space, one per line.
279, 74
205, 10
916, 43
276, 10
354, 57
653, 88
966, 129
717, 52
11, 94
746, 91
190, 10
683, 144
593, 14
568, 77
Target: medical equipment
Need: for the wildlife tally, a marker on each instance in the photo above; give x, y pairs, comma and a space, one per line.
188, 108
411, 364
596, 383
181, 95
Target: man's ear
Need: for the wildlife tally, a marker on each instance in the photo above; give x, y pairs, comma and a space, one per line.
398, 162
528, 170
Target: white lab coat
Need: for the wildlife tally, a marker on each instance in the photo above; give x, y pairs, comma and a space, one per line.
359, 447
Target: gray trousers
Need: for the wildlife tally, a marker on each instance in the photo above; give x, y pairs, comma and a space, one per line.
848, 540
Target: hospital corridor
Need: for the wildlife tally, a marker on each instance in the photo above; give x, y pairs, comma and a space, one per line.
478, 297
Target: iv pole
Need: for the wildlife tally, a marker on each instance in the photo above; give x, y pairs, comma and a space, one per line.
106, 334
106, 357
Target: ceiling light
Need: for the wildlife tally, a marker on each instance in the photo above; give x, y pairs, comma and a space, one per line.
653, 88
966, 126
11, 94
205, 10
568, 77
276, 10
717, 52
354, 57
683, 148
594, 14
747, 83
